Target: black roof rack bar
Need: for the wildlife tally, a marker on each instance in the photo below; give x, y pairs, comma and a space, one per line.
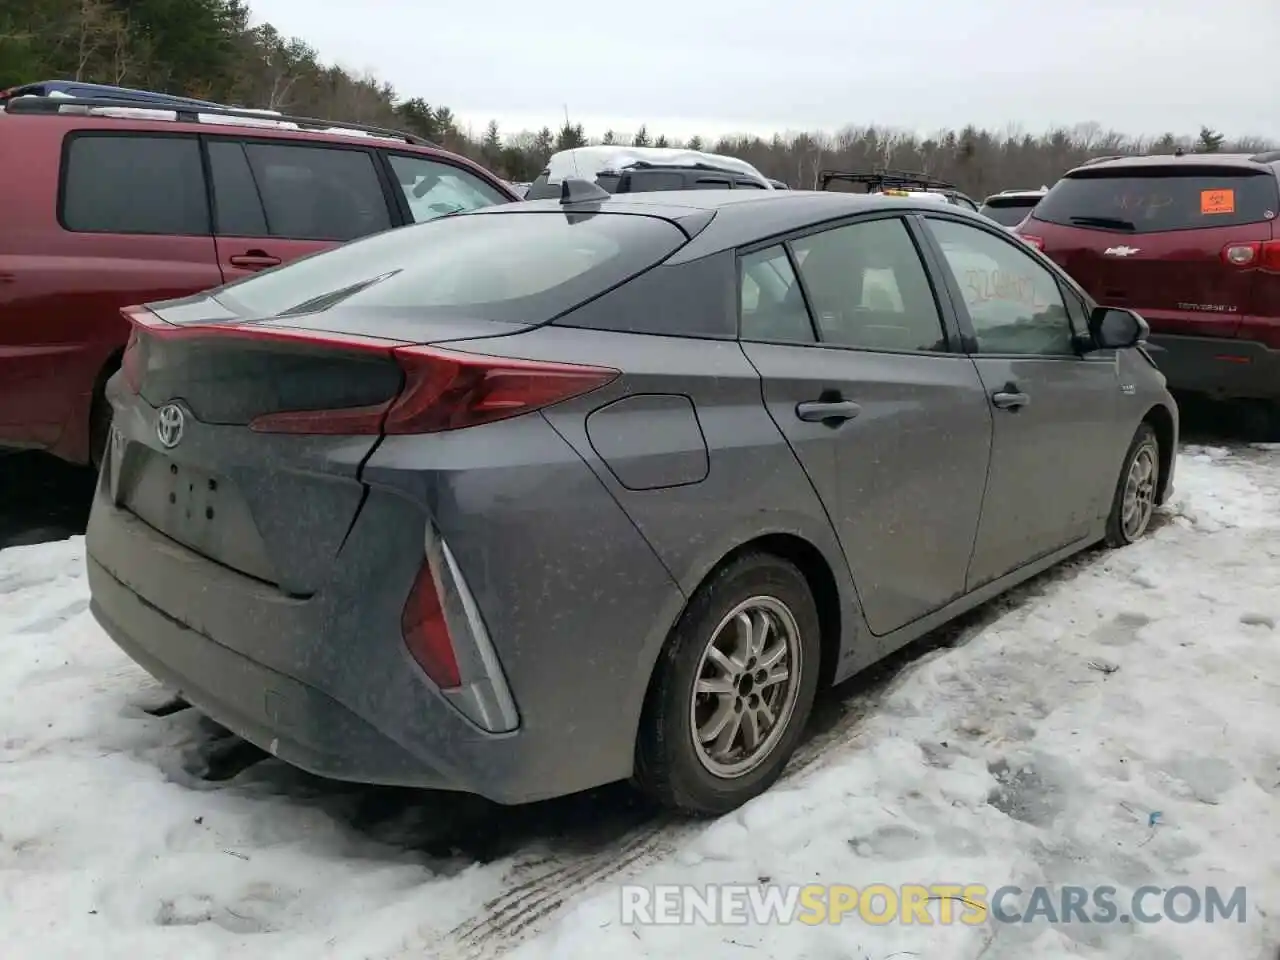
192, 114
885, 178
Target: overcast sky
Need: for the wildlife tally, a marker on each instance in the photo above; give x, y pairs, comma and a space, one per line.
693, 66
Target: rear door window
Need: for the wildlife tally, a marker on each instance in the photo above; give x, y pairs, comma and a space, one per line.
650, 181
435, 189
318, 193
126, 183
1161, 199
869, 289
505, 266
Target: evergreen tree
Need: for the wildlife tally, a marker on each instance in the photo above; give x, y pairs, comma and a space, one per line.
1210, 141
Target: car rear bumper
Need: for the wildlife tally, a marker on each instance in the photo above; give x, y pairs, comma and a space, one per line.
326, 683
1234, 369
288, 718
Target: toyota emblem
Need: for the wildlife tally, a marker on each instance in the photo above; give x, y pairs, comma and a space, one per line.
169, 424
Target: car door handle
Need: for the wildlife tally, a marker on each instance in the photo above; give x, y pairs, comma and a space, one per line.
254, 260
824, 411
1010, 400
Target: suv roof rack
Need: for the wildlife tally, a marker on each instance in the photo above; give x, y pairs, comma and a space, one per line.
140, 105
886, 178
66, 89
1115, 156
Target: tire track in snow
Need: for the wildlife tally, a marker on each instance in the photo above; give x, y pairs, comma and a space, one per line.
523, 910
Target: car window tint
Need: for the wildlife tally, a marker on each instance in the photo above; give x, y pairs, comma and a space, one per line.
1013, 301
433, 189
649, 181
1007, 213
712, 185
772, 301
318, 193
237, 207
869, 288
517, 267
134, 184
1161, 199
748, 185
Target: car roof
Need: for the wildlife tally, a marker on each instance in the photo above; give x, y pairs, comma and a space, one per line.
589, 162
1141, 164
736, 218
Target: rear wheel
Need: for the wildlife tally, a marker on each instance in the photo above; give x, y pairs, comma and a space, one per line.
1135, 498
732, 690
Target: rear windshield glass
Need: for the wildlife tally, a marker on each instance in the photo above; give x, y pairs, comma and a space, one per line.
1008, 212
1161, 200
516, 268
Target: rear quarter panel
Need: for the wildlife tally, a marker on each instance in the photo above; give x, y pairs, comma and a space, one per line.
751, 486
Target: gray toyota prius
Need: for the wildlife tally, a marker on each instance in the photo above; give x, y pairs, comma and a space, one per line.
542, 496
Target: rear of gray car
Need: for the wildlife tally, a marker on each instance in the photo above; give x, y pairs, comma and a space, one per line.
528, 500
279, 567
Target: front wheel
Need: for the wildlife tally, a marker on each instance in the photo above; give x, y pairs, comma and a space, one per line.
732, 690
1135, 497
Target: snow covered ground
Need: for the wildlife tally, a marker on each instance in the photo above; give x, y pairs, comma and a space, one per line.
1112, 723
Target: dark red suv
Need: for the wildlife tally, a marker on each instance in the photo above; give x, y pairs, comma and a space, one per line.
109, 203
1191, 243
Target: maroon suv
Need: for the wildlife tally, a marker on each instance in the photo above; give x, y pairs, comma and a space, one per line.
107, 205
1190, 242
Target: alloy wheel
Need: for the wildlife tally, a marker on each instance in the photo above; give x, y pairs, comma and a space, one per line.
746, 687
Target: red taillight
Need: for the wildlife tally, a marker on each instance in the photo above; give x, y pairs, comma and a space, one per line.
1037, 242
1270, 257
444, 390
1253, 254
426, 632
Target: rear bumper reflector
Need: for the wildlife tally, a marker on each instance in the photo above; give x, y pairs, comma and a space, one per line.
446, 633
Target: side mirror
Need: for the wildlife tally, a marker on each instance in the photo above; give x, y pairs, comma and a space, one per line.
1115, 328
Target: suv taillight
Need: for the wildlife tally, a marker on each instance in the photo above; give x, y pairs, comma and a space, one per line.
1253, 254
1037, 242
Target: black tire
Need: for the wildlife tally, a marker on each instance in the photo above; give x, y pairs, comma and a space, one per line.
1145, 444
668, 767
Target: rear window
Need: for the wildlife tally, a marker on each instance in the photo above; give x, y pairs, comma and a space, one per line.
515, 268
1160, 200
1008, 212
652, 181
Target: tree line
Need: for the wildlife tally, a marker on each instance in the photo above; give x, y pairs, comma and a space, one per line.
208, 49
